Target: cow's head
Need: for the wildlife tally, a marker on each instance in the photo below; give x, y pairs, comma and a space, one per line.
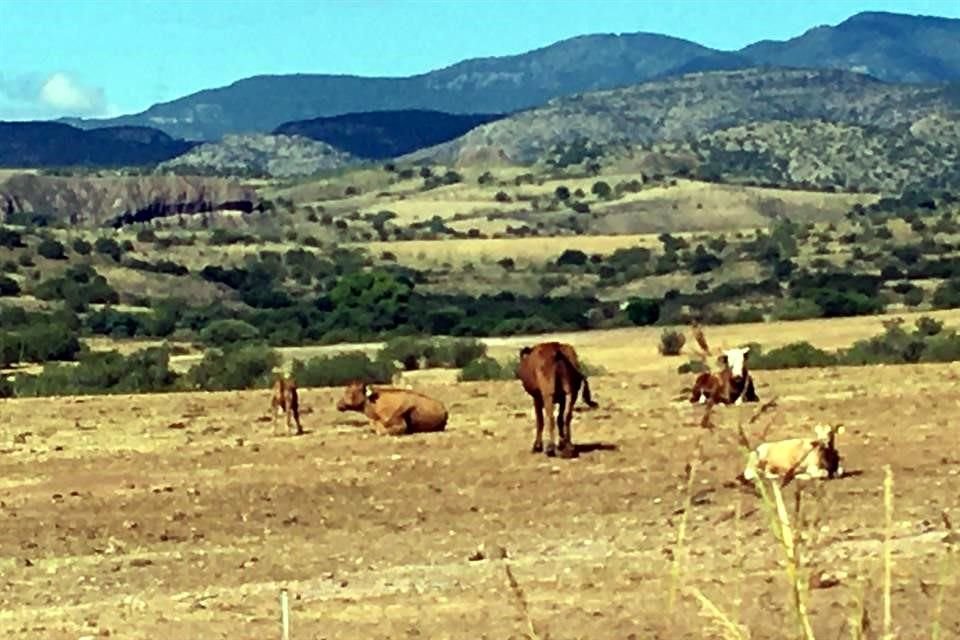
827, 434
735, 360
829, 457
355, 396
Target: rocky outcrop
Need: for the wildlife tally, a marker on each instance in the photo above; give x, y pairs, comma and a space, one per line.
120, 200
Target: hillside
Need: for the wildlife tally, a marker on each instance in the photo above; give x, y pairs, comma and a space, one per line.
97, 201
52, 144
823, 155
894, 47
695, 104
889, 46
386, 134
256, 155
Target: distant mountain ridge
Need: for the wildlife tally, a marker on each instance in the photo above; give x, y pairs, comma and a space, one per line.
386, 134
53, 144
676, 109
890, 47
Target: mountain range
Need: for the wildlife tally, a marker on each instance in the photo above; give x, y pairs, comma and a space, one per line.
695, 104
890, 47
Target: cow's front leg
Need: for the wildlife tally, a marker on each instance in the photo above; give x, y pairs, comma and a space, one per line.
276, 414
396, 425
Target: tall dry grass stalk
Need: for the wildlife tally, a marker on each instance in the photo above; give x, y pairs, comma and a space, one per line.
946, 579
738, 558
859, 622
791, 552
887, 552
727, 628
679, 552
521, 599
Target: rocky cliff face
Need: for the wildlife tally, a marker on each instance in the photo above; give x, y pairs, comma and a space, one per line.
119, 200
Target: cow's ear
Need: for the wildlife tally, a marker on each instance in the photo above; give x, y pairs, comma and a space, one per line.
839, 430
369, 393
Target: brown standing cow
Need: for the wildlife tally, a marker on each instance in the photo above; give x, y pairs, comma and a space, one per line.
284, 399
395, 411
550, 372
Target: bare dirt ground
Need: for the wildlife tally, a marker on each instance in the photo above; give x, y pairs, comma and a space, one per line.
181, 516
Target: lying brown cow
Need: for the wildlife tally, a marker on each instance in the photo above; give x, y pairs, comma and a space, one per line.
285, 400
550, 372
733, 384
395, 411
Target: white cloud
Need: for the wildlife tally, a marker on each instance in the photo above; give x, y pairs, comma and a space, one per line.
38, 96
63, 93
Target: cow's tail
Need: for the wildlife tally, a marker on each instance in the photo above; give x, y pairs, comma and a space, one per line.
587, 398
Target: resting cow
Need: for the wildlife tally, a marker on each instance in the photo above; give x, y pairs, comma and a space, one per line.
550, 372
395, 411
284, 399
803, 458
733, 384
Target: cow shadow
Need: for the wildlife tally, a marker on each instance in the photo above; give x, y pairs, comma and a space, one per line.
590, 447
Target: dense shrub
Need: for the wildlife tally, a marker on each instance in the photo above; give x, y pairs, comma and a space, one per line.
51, 249
102, 373
947, 295
110, 322
108, 247
81, 246
10, 239
80, 285
792, 356
240, 367
796, 309
410, 352
572, 257
486, 368
221, 333
9, 287
455, 353
895, 346
413, 353
943, 347
601, 189
671, 342
643, 311
342, 369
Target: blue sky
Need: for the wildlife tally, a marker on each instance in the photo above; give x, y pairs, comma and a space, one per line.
106, 57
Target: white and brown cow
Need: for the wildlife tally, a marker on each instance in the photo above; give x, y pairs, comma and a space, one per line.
802, 458
733, 384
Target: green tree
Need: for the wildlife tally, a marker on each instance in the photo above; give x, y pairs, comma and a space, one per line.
601, 189
226, 332
51, 249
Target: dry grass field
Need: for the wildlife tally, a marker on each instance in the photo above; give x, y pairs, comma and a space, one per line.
180, 515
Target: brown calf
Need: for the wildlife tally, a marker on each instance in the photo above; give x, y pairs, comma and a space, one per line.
284, 399
550, 372
395, 411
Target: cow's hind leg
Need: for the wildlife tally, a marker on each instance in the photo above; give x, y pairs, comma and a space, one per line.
294, 412
551, 448
565, 414
538, 438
